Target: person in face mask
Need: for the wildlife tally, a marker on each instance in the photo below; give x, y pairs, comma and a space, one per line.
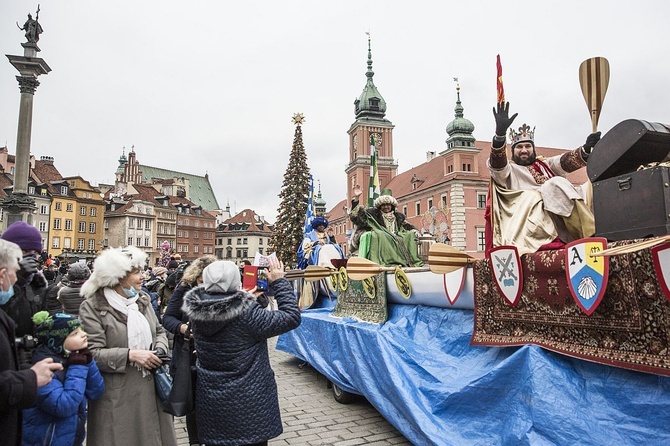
30, 288
127, 342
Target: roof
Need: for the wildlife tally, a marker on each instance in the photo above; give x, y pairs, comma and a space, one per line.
246, 220
200, 191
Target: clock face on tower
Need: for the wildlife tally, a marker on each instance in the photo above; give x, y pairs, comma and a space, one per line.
378, 140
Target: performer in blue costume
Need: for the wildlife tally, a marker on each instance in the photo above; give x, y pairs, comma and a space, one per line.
318, 247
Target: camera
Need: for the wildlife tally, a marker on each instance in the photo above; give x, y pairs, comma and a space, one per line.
25, 342
262, 280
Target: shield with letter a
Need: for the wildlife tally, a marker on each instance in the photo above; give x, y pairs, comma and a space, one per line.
586, 274
507, 273
661, 256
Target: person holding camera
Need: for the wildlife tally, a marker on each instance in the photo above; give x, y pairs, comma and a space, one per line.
236, 400
18, 388
29, 289
127, 342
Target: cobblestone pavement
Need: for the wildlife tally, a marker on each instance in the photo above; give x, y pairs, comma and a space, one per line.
312, 417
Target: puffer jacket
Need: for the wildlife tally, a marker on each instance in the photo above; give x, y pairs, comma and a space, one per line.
236, 393
60, 413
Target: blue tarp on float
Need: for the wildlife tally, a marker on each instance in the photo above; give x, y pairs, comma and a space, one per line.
419, 370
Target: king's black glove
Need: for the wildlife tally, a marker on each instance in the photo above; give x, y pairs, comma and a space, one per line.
591, 141
503, 121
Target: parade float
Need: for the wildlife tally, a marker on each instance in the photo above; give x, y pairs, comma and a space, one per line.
563, 346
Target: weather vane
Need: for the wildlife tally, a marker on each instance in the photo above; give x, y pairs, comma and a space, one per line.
298, 118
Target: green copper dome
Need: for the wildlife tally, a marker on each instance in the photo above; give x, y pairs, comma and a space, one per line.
370, 103
460, 129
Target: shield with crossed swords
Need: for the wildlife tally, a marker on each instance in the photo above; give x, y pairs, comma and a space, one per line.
661, 256
587, 275
507, 273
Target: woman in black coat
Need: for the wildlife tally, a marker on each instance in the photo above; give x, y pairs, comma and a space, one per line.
236, 393
176, 322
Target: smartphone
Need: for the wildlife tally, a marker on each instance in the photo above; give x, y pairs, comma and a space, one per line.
262, 280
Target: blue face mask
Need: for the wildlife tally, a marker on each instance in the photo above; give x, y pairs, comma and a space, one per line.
129, 292
6, 295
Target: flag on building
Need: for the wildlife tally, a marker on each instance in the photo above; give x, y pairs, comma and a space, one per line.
499, 83
373, 191
309, 214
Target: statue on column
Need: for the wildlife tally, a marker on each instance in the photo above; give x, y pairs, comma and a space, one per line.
32, 27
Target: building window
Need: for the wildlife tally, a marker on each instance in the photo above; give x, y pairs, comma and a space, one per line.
55, 242
68, 224
80, 244
67, 242
239, 241
91, 228
56, 223
238, 253
139, 223
481, 201
91, 244
450, 168
31, 190
481, 241
185, 233
430, 203
195, 234
244, 241
43, 226
443, 198
63, 191
131, 223
185, 248
105, 242
230, 241
147, 242
139, 241
260, 250
130, 241
82, 226
179, 233
43, 191
57, 206
195, 249
260, 241
106, 224
44, 209
404, 209
68, 207
418, 207
147, 224
93, 211
466, 167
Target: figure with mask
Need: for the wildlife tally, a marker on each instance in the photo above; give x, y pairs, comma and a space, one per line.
127, 342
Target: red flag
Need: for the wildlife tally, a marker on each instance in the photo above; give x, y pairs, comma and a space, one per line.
499, 83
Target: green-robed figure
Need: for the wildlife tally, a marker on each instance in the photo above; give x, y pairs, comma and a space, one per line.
382, 234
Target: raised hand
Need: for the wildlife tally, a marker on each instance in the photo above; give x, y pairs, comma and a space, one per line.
591, 141
503, 121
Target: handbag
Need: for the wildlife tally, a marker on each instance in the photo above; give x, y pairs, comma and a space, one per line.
180, 400
164, 383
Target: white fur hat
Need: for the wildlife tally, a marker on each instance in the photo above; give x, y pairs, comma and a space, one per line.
111, 266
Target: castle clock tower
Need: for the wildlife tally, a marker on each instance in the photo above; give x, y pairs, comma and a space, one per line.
370, 109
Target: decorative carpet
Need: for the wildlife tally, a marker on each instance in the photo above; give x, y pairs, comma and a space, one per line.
630, 328
355, 302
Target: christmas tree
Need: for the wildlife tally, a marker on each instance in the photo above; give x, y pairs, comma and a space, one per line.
289, 228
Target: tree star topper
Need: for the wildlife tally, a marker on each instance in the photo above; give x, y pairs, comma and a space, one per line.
298, 118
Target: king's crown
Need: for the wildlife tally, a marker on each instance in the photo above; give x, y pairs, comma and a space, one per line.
524, 134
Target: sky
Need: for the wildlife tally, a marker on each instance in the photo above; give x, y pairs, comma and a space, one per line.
210, 87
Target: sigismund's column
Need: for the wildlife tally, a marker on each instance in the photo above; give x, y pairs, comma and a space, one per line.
19, 205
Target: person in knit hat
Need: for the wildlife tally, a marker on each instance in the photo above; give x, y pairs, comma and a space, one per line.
59, 418
236, 399
127, 342
30, 287
69, 287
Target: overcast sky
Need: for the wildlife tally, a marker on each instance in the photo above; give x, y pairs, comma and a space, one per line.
211, 86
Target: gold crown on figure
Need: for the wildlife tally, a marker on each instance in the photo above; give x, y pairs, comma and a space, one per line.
524, 134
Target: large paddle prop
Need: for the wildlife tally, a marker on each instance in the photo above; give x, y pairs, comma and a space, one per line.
594, 78
443, 258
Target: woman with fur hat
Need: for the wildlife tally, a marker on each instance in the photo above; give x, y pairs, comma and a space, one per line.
236, 393
59, 417
382, 234
68, 293
126, 340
